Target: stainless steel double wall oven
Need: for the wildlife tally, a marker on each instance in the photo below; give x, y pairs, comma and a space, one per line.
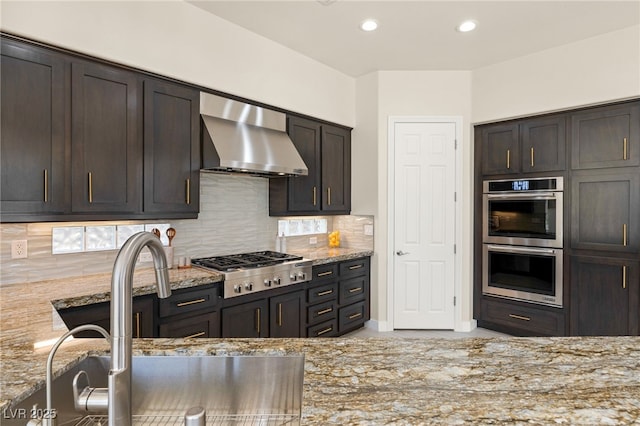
522, 239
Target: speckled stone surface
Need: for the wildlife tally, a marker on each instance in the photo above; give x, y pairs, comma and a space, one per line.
355, 381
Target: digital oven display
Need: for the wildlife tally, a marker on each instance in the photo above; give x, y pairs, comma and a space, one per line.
520, 185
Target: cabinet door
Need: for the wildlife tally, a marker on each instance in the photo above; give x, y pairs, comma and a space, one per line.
500, 149
543, 144
606, 137
336, 170
604, 296
106, 150
171, 149
304, 192
32, 148
203, 325
604, 212
286, 315
142, 321
246, 320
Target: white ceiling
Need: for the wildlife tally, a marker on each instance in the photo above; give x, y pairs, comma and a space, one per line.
421, 35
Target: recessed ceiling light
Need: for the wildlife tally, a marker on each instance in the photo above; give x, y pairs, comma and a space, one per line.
467, 26
369, 25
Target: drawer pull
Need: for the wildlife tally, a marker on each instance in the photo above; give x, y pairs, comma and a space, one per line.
354, 316
279, 314
324, 311
324, 293
355, 290
191, 302
258, 321
624, 234
324, 274
519, 317
325, 331
202, 333
624, 276
351, 268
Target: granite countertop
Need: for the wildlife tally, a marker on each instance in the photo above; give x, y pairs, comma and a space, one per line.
360, 381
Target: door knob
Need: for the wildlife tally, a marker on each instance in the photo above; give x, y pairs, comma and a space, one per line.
401, 253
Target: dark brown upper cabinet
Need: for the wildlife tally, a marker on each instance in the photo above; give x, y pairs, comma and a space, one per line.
106, 148
534, 145
32, 145
326, 150
605, 211
500, 149
543, 144
606, 137
171, 149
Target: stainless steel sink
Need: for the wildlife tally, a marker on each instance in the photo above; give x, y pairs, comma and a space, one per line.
265, 390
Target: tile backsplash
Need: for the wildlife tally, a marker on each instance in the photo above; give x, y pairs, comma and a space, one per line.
234, 218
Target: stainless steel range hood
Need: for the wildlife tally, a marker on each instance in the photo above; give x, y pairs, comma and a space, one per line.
243, 138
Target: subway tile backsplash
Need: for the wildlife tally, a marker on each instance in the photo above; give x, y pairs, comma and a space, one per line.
234, 217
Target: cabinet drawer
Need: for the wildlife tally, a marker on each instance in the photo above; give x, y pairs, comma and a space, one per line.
529, 319
188, 301
322, 293
351, 316
321, 312
352, 290
325, 329
354, 268
204, 325
325, 272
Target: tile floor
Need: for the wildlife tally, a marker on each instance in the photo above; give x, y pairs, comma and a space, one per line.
446, 334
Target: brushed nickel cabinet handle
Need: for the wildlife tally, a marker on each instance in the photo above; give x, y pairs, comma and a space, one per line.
202, 333
324, 274
354, 316
326, 330
324, 293
279, 314
624, 149
532, 162
624, 234
624, 276
315, 195
258, 320
324, 311
355, 290
90, 188
46, 186
188, 198
355, 267
191, 302
520, 317
508, 159
137, 324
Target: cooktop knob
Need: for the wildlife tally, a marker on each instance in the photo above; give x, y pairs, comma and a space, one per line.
267, 283
276, 280
237, 288
293, 277
248, 286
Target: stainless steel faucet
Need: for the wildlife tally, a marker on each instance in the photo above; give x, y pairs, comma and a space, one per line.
119, 410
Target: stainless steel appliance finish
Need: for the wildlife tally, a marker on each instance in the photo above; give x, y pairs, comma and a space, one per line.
529, 274
524, 212
244, 138
257, 271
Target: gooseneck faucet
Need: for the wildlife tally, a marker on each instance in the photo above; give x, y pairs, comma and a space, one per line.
119, 381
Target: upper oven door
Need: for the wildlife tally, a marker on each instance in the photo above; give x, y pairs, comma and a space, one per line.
524, 219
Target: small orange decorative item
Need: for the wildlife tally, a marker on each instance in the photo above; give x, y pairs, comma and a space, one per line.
334, 239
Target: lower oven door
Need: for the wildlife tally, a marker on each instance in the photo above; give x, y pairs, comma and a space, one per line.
530, 274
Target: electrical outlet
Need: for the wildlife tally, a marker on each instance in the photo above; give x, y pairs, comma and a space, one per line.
18, 249
368, 230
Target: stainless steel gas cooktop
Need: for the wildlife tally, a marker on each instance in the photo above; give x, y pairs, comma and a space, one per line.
246, 273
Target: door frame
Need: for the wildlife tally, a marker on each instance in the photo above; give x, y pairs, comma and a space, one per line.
457, 289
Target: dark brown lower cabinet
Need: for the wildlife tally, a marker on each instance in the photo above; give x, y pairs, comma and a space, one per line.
521, 318
203, 325
100, 313
246, 320
604, 296
286, 315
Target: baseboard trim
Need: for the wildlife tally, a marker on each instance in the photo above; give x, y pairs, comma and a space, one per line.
467, 326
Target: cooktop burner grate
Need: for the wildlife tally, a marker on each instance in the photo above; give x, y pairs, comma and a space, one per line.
245, 260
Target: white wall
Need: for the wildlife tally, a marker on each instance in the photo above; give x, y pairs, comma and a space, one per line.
590, 71
179, 40
426, 93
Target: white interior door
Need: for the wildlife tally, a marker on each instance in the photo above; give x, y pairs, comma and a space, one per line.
424, 228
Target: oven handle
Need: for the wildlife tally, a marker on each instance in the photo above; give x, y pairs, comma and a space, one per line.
522, 196
511, 249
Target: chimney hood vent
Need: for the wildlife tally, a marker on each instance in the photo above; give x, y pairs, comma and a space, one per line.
242, 138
